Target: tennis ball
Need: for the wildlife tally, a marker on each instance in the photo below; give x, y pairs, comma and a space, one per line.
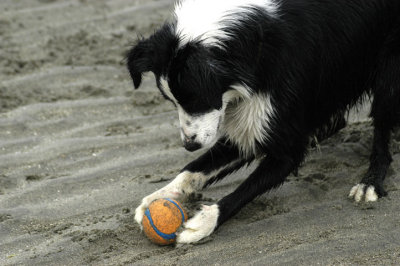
162, 219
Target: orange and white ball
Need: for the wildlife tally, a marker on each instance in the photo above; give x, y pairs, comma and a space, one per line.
162, 219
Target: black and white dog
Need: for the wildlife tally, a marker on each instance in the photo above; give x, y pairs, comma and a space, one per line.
254, 80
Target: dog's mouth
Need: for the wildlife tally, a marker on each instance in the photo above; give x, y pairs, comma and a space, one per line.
199, 131
192, 144
205, 140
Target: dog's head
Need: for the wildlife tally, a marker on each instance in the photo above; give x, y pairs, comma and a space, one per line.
191, 76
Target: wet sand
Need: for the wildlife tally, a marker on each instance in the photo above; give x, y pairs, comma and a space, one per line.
79, 148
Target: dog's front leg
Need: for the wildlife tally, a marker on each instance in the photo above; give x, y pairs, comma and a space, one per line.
217, 162
269, 174
173, 190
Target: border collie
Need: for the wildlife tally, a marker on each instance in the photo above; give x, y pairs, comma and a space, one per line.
255, 80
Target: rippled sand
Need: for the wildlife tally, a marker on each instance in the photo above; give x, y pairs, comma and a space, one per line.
79, 149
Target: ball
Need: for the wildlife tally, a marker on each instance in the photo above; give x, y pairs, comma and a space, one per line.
162, 219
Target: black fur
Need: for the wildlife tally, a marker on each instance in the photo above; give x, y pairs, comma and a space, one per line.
315, 61
152, 54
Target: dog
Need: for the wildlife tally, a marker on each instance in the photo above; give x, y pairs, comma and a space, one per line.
254, 80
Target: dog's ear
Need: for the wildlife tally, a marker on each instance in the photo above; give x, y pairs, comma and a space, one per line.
152, 54
140, 60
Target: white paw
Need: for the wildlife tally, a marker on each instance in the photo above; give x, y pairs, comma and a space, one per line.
165, 192
358, 192
139, 212
185, 182
200, 226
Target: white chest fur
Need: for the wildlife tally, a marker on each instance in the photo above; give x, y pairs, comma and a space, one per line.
247, 120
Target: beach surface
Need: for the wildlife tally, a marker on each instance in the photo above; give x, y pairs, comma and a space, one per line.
79, 149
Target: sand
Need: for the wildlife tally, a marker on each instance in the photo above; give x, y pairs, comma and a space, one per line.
79, 148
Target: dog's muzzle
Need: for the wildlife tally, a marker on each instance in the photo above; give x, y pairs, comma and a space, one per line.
190, 144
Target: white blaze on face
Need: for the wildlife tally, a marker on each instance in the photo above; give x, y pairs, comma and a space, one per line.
203, 126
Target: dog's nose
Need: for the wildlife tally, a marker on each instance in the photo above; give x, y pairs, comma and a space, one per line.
190, 144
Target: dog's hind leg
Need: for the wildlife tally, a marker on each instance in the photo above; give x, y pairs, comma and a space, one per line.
371, 186
386, 115
222, 159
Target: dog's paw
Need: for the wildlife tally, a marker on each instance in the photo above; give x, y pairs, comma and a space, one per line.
165, 192
362, 191
200, 226
139, 213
